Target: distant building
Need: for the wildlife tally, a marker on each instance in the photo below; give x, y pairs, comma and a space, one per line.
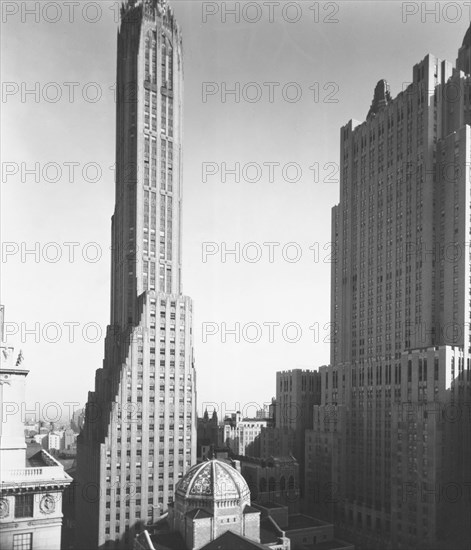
41, 439
267, 410
31, 429
69, 440
44, 428
32, 481
55, 441
242, 435
77, 420
207, 435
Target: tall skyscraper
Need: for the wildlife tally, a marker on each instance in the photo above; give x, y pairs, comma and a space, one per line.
384, 437
139, 436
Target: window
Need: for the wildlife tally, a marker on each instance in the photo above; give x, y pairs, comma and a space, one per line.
24, 506
23, 541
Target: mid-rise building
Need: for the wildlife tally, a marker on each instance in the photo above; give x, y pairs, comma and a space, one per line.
297, 391
69, 440
242, 435
139, 433
55, 441
276, 441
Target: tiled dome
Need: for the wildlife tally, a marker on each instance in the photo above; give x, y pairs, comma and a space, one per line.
213, 480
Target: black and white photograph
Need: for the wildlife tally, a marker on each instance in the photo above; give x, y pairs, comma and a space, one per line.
235, 275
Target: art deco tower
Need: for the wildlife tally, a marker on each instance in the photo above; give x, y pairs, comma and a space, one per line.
384, 435
139, 436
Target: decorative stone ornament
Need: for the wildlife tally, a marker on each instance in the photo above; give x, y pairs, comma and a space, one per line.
4, 508
47, 504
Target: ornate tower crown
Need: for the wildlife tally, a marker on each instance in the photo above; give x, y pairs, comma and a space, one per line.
463, 63
381, 98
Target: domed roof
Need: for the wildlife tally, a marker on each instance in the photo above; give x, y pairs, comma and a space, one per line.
213, 480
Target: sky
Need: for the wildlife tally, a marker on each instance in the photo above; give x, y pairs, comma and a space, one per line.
260, 166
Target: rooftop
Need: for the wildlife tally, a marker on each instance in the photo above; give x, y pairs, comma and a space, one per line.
231, 541
269, 532
36, 458
300, 521
40, 466
168, 541
270, 505
198, 513
270, 461
251, 510
334, 544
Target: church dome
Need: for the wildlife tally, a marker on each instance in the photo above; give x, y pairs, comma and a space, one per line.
213, 480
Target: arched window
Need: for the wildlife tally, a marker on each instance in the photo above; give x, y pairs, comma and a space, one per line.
291, 483
272, 485
282, 483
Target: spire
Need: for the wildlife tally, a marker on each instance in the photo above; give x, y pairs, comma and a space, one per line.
467, 38
381, 98
19, 359
463, 63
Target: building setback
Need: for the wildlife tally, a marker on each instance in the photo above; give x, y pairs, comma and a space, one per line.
384, 449
139, 434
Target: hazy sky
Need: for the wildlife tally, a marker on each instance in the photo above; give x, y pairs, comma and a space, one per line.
331, 58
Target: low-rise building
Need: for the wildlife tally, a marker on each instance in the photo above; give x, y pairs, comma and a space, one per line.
32, 481
272, 479
213, 511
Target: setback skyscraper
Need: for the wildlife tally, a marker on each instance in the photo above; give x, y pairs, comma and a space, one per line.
391, 436
139, 436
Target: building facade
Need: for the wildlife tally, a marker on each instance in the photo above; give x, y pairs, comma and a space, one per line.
139, 434
401, 308
207, 435
32, 481
297, 391
272, 480
242, 435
